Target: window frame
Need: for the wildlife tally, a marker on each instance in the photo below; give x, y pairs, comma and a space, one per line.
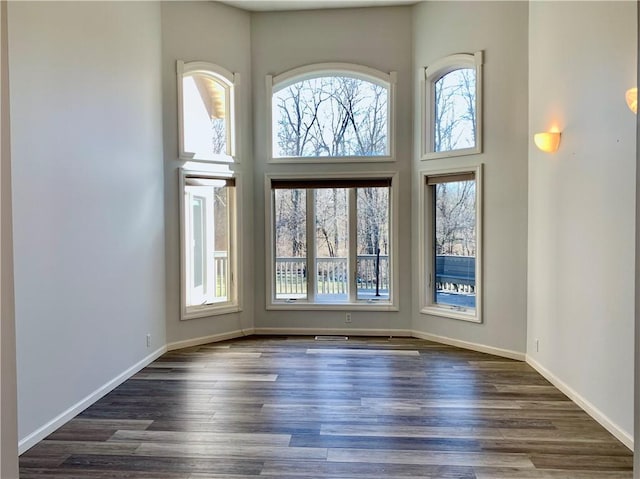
233, 304
359, 305
231, 82
317, 70
427, 245
431, 75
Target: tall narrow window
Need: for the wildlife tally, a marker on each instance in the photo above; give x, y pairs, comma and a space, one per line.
331, 241
206, 111
208, 245
452, 244
332, 112
452, 111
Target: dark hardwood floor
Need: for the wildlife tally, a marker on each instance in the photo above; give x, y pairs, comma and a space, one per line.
291, 407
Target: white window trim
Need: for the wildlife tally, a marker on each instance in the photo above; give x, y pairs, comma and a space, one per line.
234, 304
273, 304
231, 82
427, 305
432, 74
283, 80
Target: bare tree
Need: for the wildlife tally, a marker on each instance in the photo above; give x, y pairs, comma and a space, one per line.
331, 116
373, 220
331, 222
454, 121
290, 227
298, 106
455, 218
219, 136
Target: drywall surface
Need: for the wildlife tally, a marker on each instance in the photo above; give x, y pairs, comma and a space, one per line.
636, 428
499, 30
379, 38
8, 387
214, 33
582, 200
87, 198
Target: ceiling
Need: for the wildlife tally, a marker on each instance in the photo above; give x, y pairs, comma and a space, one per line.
276, 5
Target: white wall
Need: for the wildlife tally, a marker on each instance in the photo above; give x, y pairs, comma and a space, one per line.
636, 401
87, 198
374, 37
8, 396
582, 59
500, 30
215, 33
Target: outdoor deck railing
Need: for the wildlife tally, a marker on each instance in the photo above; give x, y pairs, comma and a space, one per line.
221, 267
453, 273
291, 274
456, 273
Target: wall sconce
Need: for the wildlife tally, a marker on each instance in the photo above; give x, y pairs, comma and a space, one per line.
632, 99
548, 141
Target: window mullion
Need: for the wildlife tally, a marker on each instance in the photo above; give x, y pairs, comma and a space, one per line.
353, 246
312, 274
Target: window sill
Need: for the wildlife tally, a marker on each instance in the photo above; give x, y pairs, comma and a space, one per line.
452, 313
195, 312
331, 159
434, 155
219, 158
304, 306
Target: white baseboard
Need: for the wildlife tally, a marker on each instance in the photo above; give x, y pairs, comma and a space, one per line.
504, 353
39, 434
332, 332
623, 436
213, 338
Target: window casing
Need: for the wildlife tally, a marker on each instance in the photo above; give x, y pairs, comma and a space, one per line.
331, 112
452, 107
451, 243
209, 244
332, 242
206, 112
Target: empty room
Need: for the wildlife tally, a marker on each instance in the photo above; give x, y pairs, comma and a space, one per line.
318, 239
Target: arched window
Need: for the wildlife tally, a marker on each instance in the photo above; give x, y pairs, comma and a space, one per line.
453, 108
206, 112
331, 112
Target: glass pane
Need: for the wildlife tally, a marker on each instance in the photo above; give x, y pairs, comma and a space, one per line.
198, 242
330, 116
455, 241
332, 245
291, 243
373, 272
221, 244
455, 111
207, 231
204, 113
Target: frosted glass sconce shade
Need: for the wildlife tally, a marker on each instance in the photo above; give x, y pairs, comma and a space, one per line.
632, 99
548, 141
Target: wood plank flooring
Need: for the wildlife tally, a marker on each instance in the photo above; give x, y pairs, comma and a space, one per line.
293, 408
